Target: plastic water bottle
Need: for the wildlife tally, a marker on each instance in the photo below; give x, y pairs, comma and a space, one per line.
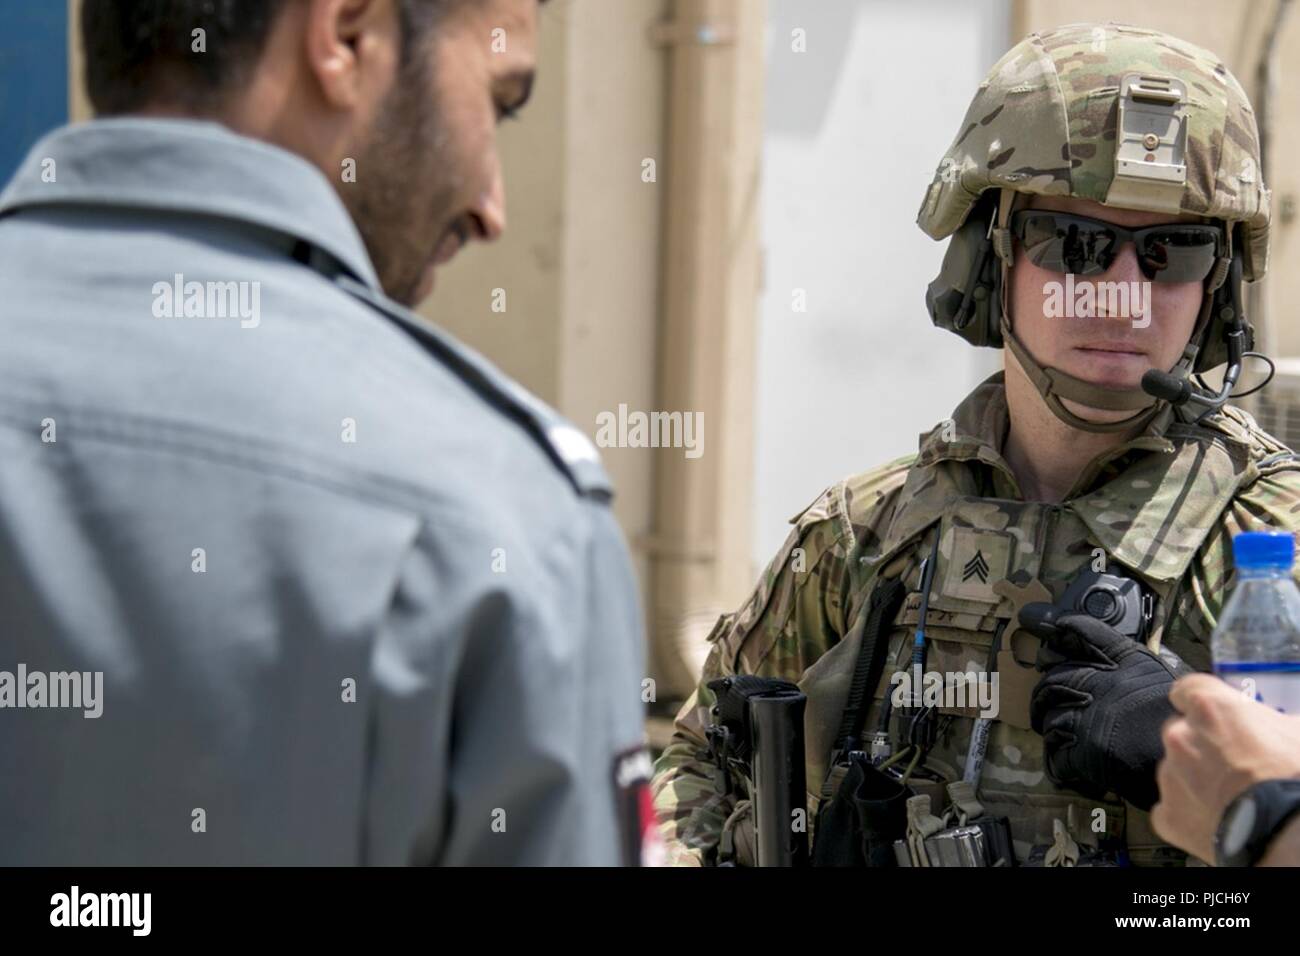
1256, 645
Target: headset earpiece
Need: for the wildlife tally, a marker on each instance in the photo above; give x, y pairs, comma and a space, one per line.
964, 297
1227, 314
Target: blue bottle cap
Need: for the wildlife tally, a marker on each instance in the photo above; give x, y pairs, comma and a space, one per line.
1263, 549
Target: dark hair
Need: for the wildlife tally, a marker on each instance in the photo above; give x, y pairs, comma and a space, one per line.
140, 52
137, 48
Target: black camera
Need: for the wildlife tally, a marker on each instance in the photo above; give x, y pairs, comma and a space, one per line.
1112, 599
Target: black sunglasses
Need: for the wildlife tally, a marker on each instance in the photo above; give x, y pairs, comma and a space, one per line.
1178, 252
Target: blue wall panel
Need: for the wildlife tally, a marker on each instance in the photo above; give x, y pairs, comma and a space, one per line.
33, 75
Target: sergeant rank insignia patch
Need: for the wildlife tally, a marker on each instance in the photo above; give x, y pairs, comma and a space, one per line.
973, 560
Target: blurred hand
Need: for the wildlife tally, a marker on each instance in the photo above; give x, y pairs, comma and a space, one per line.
1222, 743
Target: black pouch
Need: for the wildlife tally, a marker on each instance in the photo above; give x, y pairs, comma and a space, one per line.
859, 824
997, 840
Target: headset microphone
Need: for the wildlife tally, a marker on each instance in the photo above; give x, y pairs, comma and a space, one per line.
1166, 387
1179, 391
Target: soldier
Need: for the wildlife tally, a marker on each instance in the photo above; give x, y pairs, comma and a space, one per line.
329, 587
1093, 160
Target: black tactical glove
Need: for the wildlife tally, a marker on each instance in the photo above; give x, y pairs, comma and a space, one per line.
1101, 704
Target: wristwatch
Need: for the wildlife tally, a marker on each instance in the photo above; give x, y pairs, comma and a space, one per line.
1252, 821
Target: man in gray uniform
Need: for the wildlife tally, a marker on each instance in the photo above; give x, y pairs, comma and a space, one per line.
286, 574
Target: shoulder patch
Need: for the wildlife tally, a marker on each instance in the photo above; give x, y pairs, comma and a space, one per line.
638, 826
567, 447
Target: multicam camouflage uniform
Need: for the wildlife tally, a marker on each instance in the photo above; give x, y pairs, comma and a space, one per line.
1162, 507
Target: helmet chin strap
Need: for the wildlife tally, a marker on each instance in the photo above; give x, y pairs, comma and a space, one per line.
1053, 385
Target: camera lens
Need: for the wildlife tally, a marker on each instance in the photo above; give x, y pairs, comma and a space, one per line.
1101, 604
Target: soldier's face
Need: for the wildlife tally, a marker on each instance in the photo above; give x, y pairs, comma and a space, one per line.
434, 177
1112, 332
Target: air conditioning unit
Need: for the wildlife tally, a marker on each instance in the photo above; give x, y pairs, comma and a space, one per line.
1277, 407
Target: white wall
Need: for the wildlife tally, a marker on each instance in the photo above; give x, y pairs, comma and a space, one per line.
855, 127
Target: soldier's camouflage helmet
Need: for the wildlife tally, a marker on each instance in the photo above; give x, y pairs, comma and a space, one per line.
1045, 119
1122, 116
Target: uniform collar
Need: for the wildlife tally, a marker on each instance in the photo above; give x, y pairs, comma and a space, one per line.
978, 428
1152, 514
189, 166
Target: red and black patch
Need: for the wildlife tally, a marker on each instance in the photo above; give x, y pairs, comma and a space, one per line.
638, 826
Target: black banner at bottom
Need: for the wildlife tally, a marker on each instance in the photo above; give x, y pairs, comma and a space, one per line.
337, 905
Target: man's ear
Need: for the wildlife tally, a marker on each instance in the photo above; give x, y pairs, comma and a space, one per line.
353, 49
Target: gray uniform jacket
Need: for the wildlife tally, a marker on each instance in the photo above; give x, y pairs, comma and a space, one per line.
355, 597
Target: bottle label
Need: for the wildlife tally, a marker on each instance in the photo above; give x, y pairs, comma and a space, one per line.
1277, 685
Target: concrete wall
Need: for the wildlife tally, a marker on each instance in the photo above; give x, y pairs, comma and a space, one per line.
579, 262
855, 127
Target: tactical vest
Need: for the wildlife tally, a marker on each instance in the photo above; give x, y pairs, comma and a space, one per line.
994, 555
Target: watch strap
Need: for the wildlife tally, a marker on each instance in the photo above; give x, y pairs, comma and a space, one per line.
1276, 803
